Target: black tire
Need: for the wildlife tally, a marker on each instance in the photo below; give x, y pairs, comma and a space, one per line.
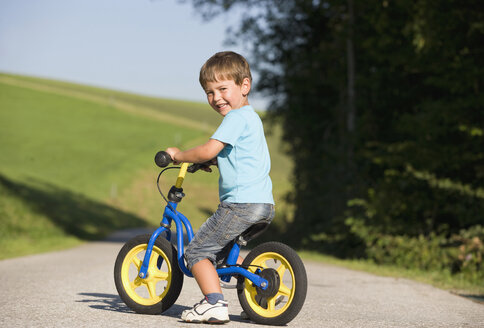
160, 290
286, 293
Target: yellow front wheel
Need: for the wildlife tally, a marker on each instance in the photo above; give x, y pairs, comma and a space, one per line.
160, 289
286, 292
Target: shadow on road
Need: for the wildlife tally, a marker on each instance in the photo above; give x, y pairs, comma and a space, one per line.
475, 298
110, 302
107, 302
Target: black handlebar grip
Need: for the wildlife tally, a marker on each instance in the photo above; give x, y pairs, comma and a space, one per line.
162, 159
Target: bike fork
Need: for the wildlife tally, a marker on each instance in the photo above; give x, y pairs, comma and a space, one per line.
146, 261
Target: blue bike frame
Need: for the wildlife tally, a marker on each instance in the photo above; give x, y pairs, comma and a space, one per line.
171, 214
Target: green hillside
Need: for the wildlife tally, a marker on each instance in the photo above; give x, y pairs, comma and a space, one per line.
186, 113
77, 162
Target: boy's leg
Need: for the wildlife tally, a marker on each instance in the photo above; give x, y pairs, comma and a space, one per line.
206, 277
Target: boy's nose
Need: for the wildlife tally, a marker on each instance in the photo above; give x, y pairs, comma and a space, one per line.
216, 96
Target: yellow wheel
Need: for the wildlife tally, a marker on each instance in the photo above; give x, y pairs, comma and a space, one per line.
162, 286
284, 296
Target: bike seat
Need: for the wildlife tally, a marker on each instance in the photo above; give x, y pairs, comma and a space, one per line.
252, 232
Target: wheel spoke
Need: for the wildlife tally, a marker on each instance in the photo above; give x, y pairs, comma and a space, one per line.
160, 275
157, 274
271, 304
137, 262
136, 283
281, 270
284, 290
152, 289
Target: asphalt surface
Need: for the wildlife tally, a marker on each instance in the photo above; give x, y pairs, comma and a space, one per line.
75, 288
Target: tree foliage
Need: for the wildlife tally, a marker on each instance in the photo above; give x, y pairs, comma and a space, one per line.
382, 107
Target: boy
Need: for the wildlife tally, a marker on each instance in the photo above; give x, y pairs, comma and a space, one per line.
245, 188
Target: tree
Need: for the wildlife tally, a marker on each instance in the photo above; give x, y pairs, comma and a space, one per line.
382, 108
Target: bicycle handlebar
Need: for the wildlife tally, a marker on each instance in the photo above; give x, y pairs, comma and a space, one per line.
162, 159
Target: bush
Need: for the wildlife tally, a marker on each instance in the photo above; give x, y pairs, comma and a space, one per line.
469, 244
461, 253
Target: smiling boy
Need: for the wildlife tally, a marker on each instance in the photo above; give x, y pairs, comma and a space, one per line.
245, 188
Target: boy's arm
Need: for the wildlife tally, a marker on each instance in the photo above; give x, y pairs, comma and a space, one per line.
199, 154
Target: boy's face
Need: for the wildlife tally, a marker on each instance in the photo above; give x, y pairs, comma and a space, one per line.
225, 95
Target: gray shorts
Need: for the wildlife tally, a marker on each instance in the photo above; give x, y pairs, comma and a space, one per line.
213, 239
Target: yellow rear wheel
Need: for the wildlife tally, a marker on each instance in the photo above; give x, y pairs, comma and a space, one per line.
286, 292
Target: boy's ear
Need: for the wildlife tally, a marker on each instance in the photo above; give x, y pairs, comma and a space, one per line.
246, 86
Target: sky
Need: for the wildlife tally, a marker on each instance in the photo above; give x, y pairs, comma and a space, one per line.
150, 47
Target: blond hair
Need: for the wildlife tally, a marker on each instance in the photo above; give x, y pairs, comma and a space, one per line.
226, 65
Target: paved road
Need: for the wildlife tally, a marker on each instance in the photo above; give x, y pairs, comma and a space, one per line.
75, 288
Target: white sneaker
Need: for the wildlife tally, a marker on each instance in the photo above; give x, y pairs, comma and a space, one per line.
207, 313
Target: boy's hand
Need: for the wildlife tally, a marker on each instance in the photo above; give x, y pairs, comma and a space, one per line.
206, 169
206, 166
172, 151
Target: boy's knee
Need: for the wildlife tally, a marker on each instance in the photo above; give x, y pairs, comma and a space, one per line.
192, 256
189, 258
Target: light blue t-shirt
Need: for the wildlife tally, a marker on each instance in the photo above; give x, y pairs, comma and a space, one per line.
244, 162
